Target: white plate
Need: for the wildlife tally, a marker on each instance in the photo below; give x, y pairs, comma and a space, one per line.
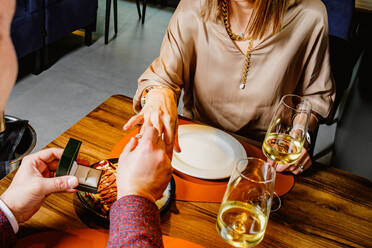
207, 152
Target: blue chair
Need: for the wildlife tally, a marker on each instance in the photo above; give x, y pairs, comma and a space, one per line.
27, 28
353, 138
340, 14
342, 59
38, 23
63, 17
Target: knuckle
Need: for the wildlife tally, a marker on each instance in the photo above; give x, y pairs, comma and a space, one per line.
26, 159
59, 183
147, 147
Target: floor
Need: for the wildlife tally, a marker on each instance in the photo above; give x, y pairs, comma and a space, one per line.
82, 77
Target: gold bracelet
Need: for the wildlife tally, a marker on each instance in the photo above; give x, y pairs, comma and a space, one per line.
146, 91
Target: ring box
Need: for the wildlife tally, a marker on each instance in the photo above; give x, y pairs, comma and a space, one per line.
88, 177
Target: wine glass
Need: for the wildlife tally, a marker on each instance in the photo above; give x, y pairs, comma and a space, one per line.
287, 132
246, 205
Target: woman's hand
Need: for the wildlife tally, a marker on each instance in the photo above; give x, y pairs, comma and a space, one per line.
302, 164
160, 111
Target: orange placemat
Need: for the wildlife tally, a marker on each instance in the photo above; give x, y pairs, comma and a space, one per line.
90, 238
189, 188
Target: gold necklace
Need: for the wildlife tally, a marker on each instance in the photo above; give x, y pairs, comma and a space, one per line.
247, 60
226, 21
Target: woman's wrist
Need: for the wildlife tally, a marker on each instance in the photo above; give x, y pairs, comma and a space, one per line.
146, 91
152, 91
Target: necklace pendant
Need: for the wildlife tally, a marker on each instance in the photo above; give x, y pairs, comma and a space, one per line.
242, 86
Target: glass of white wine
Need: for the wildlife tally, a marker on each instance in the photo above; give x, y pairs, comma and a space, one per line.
246, 205
288, 130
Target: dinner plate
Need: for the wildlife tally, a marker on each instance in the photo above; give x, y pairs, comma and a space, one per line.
163, 203
206, 152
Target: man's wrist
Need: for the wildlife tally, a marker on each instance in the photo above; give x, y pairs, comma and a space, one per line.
138, 193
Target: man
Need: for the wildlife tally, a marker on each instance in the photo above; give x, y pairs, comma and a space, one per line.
143, 173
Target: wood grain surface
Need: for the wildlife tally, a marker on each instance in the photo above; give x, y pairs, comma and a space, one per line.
326, 208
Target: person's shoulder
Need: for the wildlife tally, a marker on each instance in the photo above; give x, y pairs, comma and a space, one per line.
189, 8
187, 16
313, 10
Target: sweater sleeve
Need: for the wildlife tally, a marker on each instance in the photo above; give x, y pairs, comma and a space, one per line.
7, 235
172, 68
134, 222
318, 85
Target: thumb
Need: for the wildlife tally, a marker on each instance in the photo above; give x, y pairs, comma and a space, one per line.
59, 184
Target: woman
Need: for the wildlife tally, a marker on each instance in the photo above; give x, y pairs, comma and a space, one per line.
235, 60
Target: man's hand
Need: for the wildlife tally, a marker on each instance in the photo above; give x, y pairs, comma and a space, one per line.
34, 181
144, 167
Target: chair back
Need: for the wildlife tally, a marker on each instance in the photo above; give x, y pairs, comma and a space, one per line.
340, 13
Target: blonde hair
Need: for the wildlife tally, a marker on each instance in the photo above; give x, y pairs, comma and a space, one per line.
266, 14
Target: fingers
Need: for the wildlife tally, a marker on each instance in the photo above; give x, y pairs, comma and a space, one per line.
43, 158
169, 150
53, 165
58, 184
150, 135
129, 147
302, 164
177, 147
169, 126
47, 155
157, 123
305, 162
270, 162
282, 167
135, 120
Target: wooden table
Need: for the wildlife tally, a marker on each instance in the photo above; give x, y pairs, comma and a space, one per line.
326, 208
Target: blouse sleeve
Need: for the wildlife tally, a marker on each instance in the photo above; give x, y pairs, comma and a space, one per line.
317, 80
170, 67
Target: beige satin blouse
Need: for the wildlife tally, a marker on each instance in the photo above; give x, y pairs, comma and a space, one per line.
200, 58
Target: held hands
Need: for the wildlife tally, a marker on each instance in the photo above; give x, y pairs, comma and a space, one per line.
144, 167
33, 182
160, 111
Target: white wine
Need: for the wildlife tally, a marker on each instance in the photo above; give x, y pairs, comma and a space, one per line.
241, 224
282, 148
